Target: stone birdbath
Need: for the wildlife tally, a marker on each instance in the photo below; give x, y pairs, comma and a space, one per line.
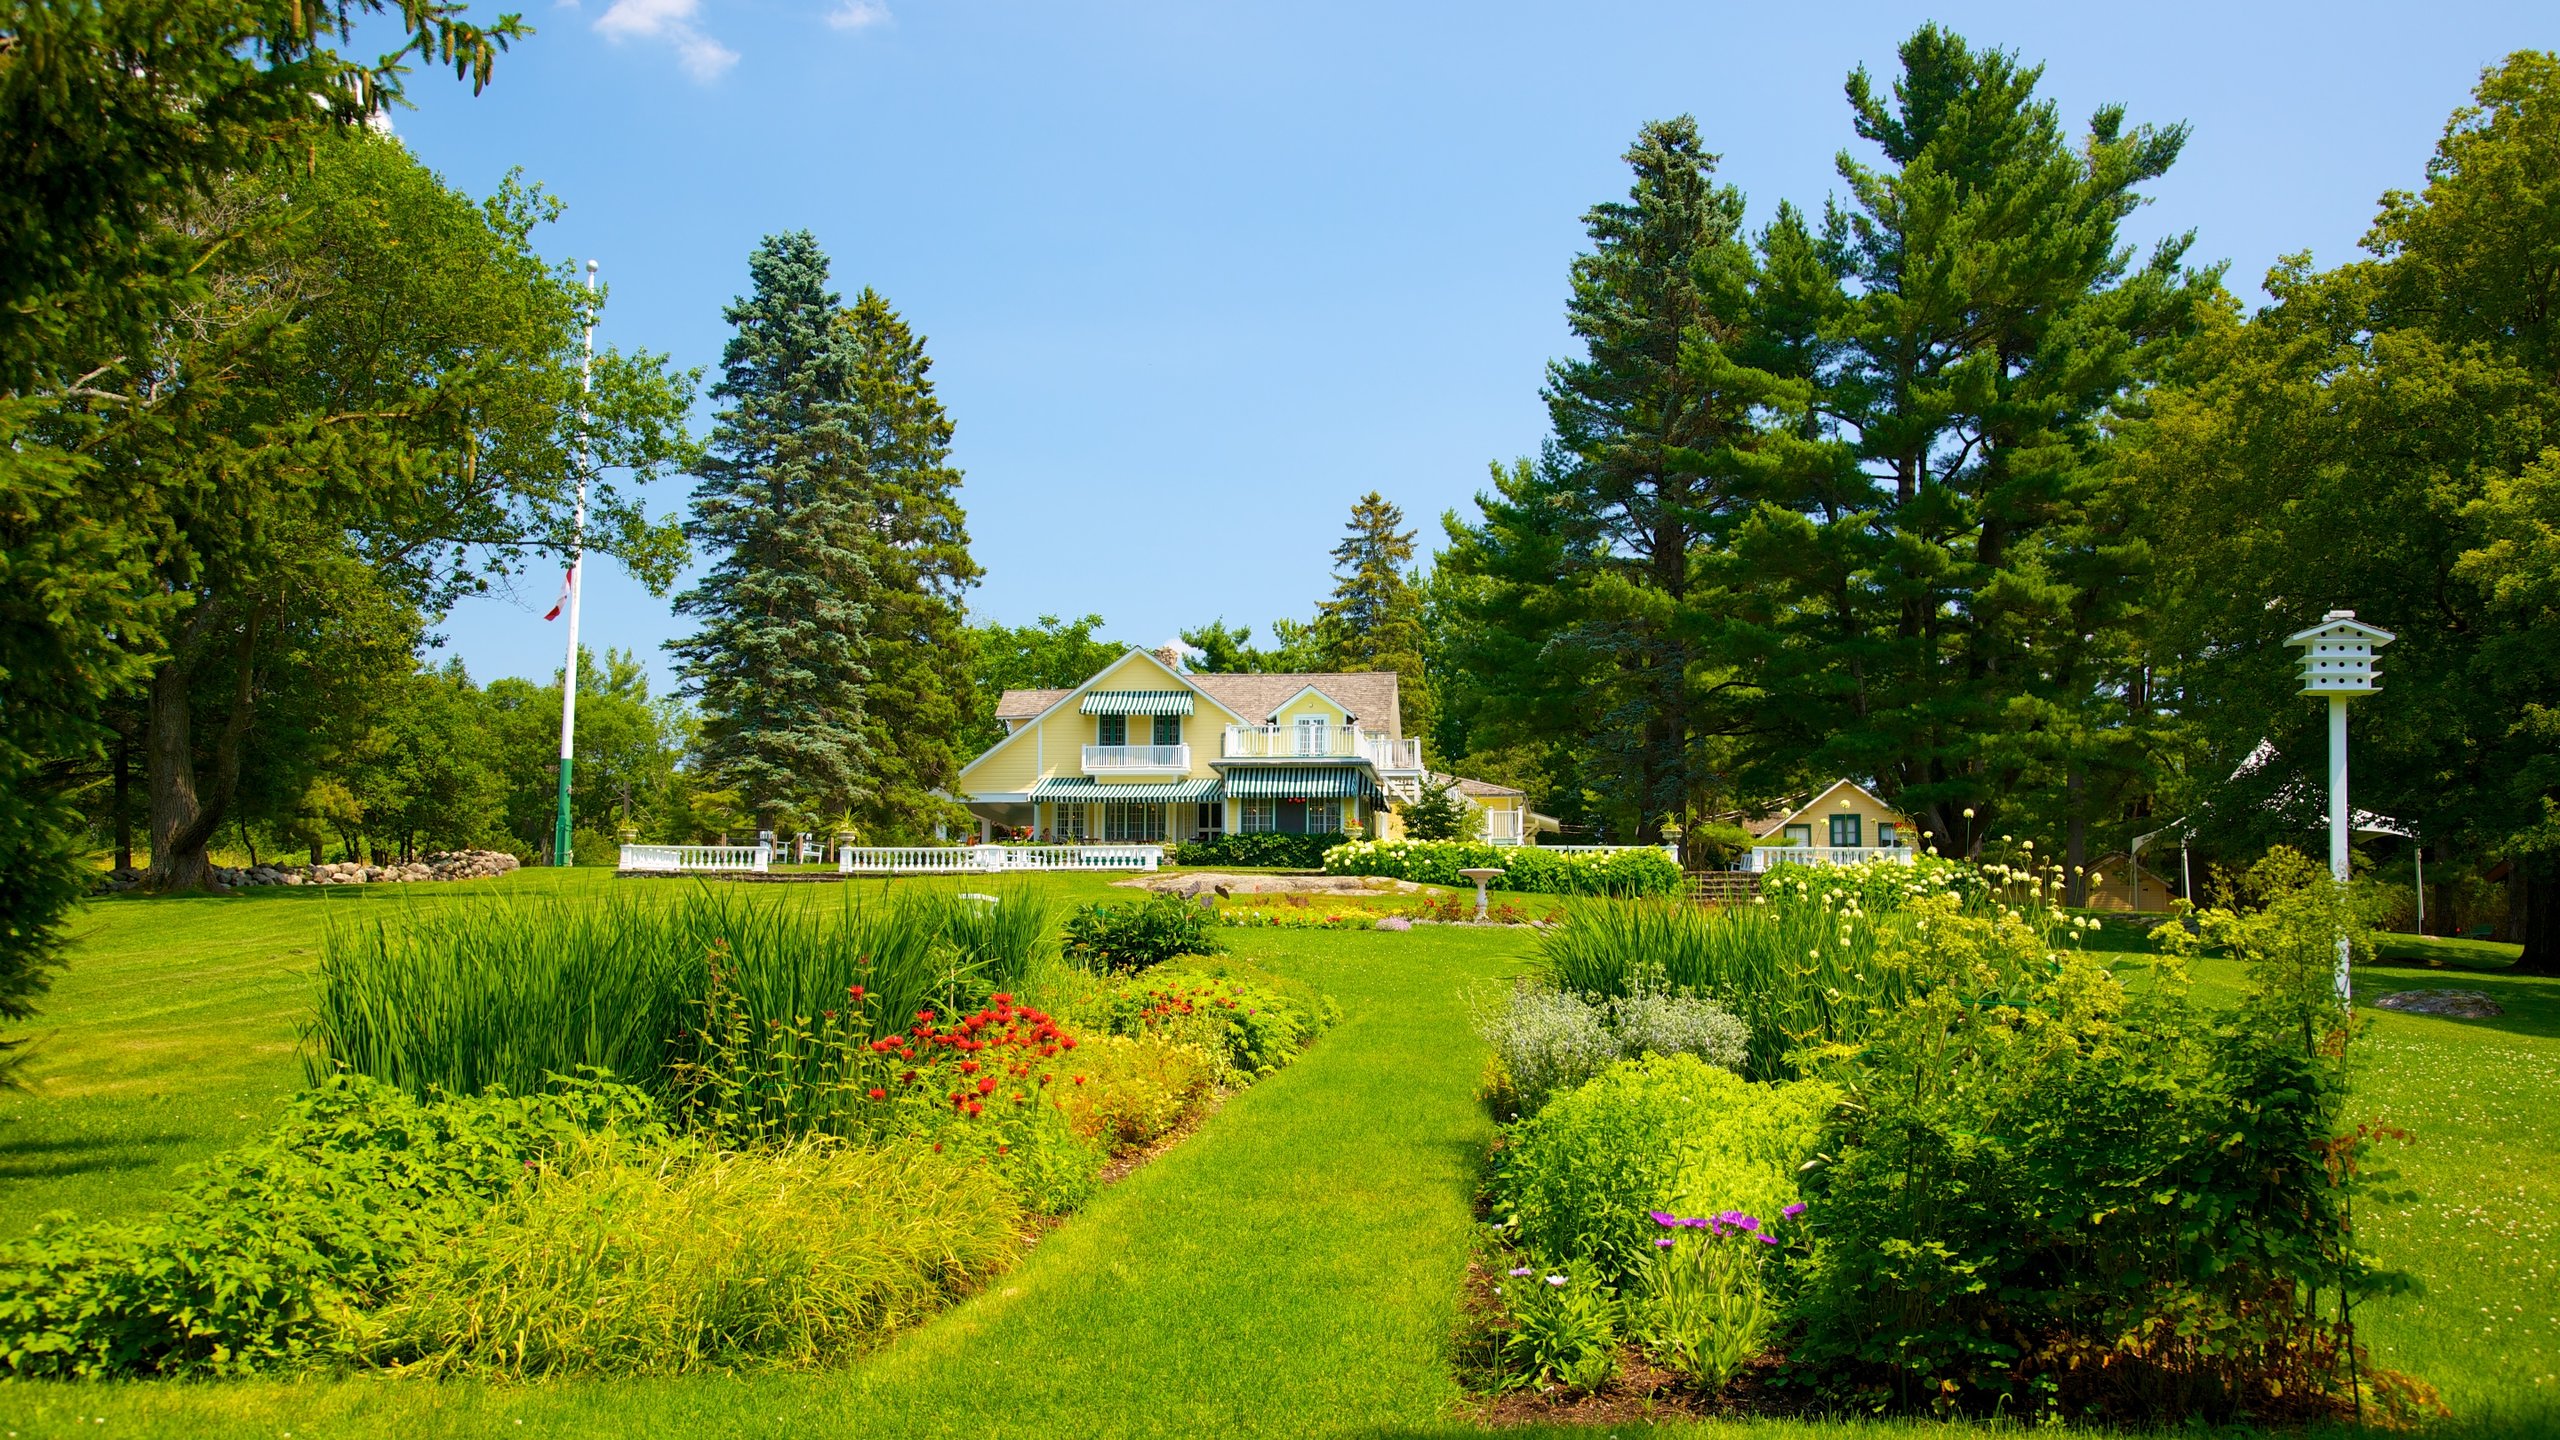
1480, 876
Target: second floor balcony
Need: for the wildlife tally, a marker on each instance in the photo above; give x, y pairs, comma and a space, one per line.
1320, 742
1137, 759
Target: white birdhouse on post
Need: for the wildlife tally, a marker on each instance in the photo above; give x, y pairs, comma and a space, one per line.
2337, 663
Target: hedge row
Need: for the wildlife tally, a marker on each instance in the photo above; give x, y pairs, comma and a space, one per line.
1260, 851
1524, 868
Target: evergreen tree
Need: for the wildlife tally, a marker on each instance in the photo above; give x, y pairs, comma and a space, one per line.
784, 510
1595, 618
919, 695
1927, 612
1374, 619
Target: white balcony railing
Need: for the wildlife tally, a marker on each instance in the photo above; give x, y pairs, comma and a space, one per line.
1320, 742
1763, 857
754, 858
1101, 758
994, 859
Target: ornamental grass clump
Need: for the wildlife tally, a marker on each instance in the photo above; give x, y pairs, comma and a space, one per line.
505, 990
704, 1259
1125, 937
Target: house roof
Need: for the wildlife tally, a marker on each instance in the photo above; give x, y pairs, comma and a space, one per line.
1475, 787
1791, 811
1370, 694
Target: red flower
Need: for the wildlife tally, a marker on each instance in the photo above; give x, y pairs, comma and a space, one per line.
975, 1107
879, 1094
968, 1067
854, 990
906, 1052
1069, 1042
987, 1086
1079, 1079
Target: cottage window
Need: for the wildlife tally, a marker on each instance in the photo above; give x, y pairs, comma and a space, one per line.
1132, 820
1324, 817
1261, 817
1799, 834
1311, 736
1210, 819
1168, 729
1844, 832
1888, 833
1066, 825
1115, 730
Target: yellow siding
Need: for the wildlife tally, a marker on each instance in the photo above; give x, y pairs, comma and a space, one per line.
1312, 703
1054, 744
1870, 814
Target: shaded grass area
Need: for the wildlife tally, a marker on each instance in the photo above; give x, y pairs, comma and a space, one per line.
1291, 1269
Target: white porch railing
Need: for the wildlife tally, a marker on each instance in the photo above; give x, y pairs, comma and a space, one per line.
1762, 857
994, 859
696, 857
1319, 742
1098, 758
1671, 850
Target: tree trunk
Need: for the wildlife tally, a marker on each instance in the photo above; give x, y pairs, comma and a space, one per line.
184, 816
123, 802
248, 844
2537, 892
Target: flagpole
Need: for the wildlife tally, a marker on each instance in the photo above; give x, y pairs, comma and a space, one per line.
577, 565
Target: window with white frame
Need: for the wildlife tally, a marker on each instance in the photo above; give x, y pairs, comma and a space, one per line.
1211, 818
1311, 735
1132, 820
1798, 834
1324, 817
1260, 817
1066, 823
1888, 833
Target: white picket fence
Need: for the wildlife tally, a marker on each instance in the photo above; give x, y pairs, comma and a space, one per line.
994, 859
1671, 850
754, 858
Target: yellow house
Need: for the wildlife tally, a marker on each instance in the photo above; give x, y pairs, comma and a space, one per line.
1844, 825
1148, 752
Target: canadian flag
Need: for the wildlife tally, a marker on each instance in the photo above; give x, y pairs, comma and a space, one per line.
566, 581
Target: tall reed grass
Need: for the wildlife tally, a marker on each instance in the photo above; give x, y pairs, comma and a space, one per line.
515, 988
1797, 974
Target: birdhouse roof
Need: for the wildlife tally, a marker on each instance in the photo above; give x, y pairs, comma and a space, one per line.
2340, 625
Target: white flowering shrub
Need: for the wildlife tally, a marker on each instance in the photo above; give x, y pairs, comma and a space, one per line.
1549, 1041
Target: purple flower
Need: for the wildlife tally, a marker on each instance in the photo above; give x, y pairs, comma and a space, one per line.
1665, 1243
1665, 1217
1794, 1210
1523, 1270
1766, 1239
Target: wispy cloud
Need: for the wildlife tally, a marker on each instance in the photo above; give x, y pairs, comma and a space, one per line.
858, 14
672, 21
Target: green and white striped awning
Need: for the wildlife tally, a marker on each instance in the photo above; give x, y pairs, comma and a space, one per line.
1073, 789
1136, 702
1302, 782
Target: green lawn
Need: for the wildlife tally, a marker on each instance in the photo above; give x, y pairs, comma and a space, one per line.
1289, 1270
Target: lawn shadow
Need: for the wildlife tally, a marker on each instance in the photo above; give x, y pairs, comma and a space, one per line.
32, 1158
2531, 1002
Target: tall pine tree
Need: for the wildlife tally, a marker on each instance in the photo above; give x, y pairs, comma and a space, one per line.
1594, 619
785, 510
1939, 623
1373, 620
919, 701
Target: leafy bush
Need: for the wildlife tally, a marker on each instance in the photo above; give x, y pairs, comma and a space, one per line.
1138, 935
1258, 851
1670, 1133
505, 990
272, 1255
1128, 1092
1524, 868
710, 1259
1559, 1327
1545, 1041
2098, 1192
1250, 1026
1440, 812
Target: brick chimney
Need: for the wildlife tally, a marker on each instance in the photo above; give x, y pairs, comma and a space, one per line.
1171, 655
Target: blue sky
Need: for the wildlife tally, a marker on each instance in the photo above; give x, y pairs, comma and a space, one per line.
1195, 277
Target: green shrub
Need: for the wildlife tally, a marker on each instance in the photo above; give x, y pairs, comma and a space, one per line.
1670, 1133
1258, 851
1559, 1327
1547, 1041
2098, 1194
1525, 868
1127, 1092
505, 990
1250, 1022
272, 1256
594, 847
1137, 935
796, 1255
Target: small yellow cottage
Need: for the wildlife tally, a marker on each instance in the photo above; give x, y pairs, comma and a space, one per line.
1146, 751
1844, 825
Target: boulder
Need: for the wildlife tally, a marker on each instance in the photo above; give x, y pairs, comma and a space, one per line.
2449, 1004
